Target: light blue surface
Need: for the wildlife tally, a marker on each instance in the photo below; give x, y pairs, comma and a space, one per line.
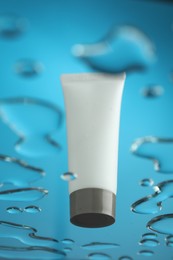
54, 26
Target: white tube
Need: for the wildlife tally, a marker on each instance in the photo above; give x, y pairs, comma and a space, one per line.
93, 102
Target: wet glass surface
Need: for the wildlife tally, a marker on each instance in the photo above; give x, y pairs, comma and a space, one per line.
39, 41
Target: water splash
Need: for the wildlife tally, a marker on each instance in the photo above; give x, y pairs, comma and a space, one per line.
153, 203
124, 48
162, 224
17, 172
69, 176
34, 121
155, 149
28, 68
98, 256
152, 91
12, 25
99, 246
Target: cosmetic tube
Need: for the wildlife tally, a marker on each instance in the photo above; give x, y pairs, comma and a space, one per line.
93, 103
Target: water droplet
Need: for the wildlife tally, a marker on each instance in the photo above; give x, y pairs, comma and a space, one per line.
169, 239
99, 256
153, 203
67, 249
125, 48
23, 194
149, 242
156, 149
153, 91
149, 236
146, 253
125, 258
14, 210
28, 68
12, 25
162, 224
17, 172
146, 182
67, 241
24, 234
32, 209
69, 176
35, 136
99, 246
28, 252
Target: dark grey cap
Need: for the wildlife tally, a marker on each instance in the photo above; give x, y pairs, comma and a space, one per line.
92, 207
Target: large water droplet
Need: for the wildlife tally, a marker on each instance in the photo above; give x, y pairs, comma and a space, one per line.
158, 150
146, 182
28, 68
125, 48
23, 194
99, 246
67, 241
149, 242
14, 210
22, 114
162, 224
69, 176
99, 256
32, 209
17, 172
12, 25
146, 253
153, 203
25, 234
152, 91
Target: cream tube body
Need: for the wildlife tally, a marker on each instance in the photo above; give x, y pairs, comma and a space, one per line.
93, 103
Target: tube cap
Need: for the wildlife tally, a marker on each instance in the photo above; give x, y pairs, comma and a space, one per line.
92, 207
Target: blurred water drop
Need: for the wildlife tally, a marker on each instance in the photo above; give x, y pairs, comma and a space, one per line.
33, 121
153, 203
98, 256
125, 258
146, 182
99, 246
14, 210
28, 68
146, 253
169, 241
152, 91
32, 209
149, 242
158, 150
67, 249
125, 48
12, 25
67, 241
18, 173
149, 235
69, 176
162, 224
